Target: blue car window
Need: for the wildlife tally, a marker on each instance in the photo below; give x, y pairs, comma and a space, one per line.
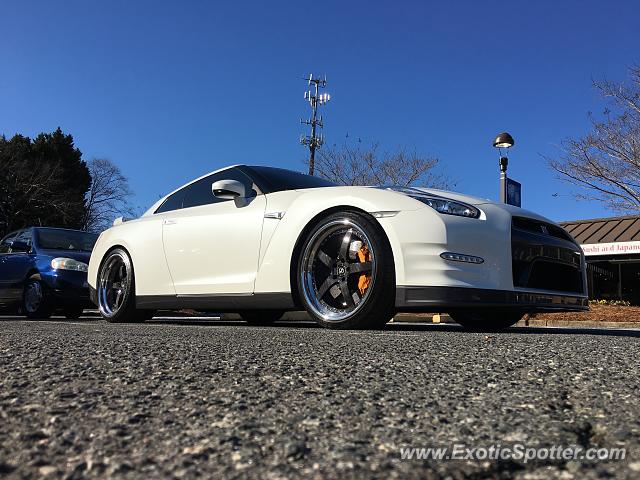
4, 243
59, 239
25, 236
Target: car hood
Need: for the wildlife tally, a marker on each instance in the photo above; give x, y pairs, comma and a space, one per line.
74, 254
471, 200
461, 197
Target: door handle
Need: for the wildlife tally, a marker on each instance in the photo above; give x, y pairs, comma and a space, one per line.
169, 222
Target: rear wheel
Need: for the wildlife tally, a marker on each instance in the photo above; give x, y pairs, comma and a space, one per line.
116, 289
35, 300
261, 317
345, 272
487, 320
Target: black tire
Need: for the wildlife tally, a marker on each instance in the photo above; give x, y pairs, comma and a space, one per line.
487, 320
36, 303
346, 303
261, 317
116, 289
72, 312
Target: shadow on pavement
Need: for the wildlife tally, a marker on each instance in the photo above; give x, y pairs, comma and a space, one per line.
390, 327
616, 332
408, 327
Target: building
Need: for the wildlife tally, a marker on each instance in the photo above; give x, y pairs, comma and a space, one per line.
612, 250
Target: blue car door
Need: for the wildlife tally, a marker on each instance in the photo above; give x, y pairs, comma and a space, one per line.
14, 267
4, 252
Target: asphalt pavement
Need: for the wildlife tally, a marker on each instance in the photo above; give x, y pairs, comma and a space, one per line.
188, 398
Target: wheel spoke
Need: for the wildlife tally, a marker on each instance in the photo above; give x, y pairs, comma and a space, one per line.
346, 240
326, 285
116, 302
356, 297
360, 267
325, 259
345, 293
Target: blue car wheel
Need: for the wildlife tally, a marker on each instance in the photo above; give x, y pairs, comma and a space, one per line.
35, 302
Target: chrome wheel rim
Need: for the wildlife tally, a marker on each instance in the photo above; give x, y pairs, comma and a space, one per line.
113, 287
33, 297
338, 270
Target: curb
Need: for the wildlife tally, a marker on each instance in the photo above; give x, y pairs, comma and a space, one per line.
532, 322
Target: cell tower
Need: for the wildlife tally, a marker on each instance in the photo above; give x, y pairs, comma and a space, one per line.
314, 98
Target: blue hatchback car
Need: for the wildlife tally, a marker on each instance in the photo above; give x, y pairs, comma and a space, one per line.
45, 269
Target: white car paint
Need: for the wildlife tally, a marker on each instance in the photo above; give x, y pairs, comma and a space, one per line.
246, 247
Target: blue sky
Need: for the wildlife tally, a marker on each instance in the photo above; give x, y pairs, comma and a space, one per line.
171, 90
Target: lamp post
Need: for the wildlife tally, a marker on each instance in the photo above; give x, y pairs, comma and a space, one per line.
503, 140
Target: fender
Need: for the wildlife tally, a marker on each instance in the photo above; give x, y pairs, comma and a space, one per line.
299, 208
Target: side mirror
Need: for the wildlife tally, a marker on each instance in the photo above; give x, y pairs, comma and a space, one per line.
228, 189
19, 247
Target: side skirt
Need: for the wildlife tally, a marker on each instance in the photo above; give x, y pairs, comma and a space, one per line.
219, 303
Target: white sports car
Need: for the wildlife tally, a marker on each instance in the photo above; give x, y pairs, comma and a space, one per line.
261, 241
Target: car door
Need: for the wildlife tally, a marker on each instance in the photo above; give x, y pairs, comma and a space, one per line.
4, 252
212, 245
14, 266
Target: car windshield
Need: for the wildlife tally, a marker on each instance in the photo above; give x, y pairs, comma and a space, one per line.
66, 240
279, 179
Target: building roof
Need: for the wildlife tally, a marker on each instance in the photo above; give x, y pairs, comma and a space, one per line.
605, 230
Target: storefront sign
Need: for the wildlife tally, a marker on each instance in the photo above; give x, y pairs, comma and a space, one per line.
619, 248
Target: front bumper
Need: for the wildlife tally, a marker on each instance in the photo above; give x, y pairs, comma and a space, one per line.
436, 299
67, 287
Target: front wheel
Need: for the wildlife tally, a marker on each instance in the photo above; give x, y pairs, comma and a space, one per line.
116, 289
345, 272
487, 320
35, 301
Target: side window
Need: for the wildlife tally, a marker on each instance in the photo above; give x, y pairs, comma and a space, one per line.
173, 202
4, 247
200, 193
25, 236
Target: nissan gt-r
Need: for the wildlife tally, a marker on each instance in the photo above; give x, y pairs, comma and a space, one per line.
261, 241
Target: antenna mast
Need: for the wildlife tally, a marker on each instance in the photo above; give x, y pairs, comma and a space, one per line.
315, 98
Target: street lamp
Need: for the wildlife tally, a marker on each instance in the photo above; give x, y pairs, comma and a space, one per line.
503, 140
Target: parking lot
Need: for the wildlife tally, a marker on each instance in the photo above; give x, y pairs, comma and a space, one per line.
181, 398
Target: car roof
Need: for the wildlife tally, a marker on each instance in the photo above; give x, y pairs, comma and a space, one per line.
58, 228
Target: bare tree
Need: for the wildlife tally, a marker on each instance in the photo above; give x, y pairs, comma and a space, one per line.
606, 162
108, 196
348, 165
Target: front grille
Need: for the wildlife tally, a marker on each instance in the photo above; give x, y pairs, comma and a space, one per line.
536, 226
545, 257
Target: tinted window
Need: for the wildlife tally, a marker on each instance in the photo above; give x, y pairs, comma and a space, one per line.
279, 179
173, 202
25, 236
49, 238
4, 247
200, 193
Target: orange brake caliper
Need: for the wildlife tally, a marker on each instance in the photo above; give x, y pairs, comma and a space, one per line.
364, 255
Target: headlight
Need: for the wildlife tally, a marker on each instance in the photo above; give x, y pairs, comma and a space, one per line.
450, 207
62, 263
